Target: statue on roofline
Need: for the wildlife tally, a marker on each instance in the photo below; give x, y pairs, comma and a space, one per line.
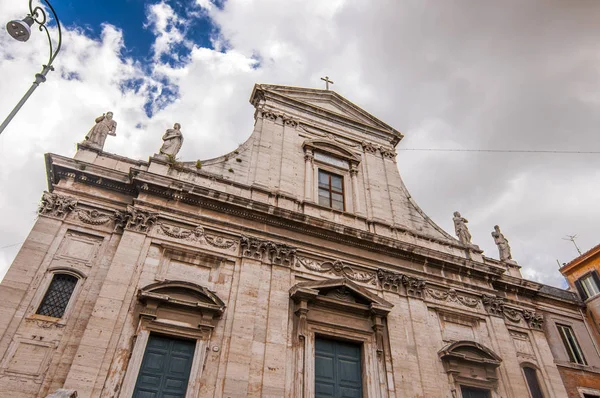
460, 226
502, 243
172, 142
105, 125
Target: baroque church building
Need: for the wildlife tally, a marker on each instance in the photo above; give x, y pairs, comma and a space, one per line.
297, 265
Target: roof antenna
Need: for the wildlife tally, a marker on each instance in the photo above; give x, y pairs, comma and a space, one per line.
572, 239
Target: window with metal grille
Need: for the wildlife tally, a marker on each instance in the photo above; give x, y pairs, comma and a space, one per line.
331, 190
571, 344
533, 382
57, 296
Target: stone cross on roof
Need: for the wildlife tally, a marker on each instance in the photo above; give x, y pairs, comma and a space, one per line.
327, 81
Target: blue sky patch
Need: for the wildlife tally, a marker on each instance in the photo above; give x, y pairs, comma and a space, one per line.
131, 17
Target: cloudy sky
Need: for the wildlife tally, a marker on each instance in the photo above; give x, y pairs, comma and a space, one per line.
448, 74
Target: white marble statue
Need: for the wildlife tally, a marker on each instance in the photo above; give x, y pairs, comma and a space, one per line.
460, 226
172, 141
105, 125
502, 243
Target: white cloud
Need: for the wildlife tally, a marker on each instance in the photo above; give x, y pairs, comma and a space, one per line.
448, 76
165, 25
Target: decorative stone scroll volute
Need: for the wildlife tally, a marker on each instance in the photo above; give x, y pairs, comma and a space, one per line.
263, 250
56, 205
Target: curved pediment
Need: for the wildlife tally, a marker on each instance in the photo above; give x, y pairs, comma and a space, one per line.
181, 293
470, 351
342, 290
332, 148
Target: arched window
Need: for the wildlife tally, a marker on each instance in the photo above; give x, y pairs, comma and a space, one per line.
532, 382
58, 295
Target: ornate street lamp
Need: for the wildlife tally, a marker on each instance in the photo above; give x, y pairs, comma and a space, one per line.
21, 31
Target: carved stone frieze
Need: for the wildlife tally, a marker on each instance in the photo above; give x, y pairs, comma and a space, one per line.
135, 219
493, 304
258, 249
93, 217
338, 268
55, 205
534, 320
452, 296
196, 235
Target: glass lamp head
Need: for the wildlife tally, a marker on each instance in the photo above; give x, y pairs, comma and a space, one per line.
20, 29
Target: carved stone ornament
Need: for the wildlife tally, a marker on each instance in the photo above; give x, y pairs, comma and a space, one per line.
368, 147
289, 121
535, 320
342, 293
135, 219
56, 205
269, 115
338, 268
258, 249
93, 217
512, 315
414, 286
493, 304
391, 281
387, 153
452, 296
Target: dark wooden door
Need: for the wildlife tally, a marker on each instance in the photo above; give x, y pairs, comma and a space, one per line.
337, 369
165, 369
472, 392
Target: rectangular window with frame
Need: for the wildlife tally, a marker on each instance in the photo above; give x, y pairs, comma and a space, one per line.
588, 285
571, 345
331, 190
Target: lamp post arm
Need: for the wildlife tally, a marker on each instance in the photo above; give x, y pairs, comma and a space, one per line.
39, 16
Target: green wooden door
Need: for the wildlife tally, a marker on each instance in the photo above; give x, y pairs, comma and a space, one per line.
337, 369
165, 369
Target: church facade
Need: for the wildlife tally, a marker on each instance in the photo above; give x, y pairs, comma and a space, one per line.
297, 265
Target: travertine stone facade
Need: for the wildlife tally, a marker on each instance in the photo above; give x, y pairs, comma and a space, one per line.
236, 255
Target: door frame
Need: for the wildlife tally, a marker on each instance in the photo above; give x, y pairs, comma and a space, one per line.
368, 357
146, 326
